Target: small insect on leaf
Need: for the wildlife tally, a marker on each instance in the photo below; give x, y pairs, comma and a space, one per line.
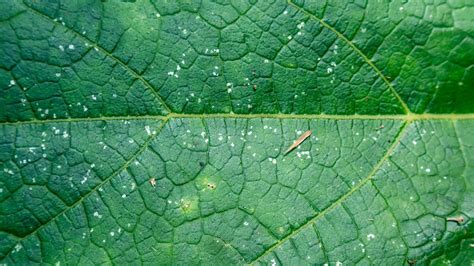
153, 182
298, 141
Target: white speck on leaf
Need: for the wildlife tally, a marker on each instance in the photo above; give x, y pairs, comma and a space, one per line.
370, 236
148, 130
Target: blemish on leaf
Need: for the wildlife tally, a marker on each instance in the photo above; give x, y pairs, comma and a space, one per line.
457, 219
298, 141
153, 182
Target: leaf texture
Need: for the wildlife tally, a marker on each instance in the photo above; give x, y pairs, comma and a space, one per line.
100, 97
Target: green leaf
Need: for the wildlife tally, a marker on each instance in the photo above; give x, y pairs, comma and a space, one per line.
101, 98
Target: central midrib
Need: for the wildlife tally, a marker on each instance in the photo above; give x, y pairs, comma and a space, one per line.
406, 117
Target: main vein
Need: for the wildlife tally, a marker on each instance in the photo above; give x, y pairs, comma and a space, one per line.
344, 197
407, 117
364, 57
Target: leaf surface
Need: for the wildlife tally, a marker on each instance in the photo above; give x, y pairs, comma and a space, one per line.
98, 98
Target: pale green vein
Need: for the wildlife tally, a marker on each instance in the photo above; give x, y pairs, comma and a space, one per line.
87, 119
106, 180
364, 57
408, 117
341, 199
120, 62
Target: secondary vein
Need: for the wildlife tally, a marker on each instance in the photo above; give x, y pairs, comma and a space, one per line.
343, 198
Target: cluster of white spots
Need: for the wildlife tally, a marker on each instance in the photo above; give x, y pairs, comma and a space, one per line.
215, 72
96, 214
148, 130
171, 73
12, 82
272, 261
60, 19
203, 135
8, 171
17, 248
370, 236
213, 51
184, 31
86, 176
329, 70
272, 160
229, 87
94, 97
300, 26
303, 153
